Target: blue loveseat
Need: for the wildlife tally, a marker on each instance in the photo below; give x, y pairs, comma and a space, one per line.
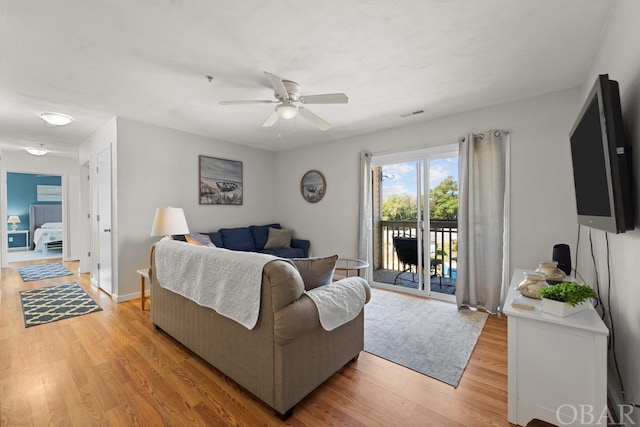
253, 239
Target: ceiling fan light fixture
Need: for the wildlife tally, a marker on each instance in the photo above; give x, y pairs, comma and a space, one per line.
37, 151
286, 111
56, 119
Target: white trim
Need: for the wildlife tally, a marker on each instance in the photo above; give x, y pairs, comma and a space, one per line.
417, 292
4, 245
436, 152
507, 223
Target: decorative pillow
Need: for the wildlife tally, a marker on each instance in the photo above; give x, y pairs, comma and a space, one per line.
278, 239
316, 271
199, 239
216, 239
260, 234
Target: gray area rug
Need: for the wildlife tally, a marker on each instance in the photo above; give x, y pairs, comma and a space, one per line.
430, 337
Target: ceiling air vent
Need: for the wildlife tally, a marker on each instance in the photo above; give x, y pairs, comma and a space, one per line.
413, 113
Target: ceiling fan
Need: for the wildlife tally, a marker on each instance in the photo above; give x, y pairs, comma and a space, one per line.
287, 94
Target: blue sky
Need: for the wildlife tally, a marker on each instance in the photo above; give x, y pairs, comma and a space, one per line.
400, 178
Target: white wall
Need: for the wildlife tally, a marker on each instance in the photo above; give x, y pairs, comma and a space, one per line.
158, 167
543, 204
618, 56
21, 161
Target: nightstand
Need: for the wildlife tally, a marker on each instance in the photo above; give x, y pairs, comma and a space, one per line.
17, 234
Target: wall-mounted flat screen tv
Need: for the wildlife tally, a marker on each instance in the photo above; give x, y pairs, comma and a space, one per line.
601, 161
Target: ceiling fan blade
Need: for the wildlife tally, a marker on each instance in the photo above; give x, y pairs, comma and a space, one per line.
254, 101
318, 121
327, 98
277, 84
271, 120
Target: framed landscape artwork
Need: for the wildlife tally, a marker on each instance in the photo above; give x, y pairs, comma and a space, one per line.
313, 186
220, 181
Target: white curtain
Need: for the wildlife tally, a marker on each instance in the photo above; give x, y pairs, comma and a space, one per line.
483, 220
365, 248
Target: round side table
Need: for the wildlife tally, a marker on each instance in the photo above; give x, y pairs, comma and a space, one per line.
347, 267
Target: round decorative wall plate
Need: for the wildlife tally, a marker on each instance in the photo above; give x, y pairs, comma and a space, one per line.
313, 186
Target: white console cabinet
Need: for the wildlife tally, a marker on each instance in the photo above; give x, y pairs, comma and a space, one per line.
557, 365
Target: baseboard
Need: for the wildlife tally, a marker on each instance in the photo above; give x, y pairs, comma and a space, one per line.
618, 409
126, 297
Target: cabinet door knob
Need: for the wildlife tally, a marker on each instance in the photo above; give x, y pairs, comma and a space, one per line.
107, 230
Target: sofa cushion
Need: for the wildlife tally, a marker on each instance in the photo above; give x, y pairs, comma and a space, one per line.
237, 239
278, 238
216, 239
260, 234
316, 271
302, 245
199, 239
285, 252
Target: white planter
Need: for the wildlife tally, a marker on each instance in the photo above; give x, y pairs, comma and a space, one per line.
561, 309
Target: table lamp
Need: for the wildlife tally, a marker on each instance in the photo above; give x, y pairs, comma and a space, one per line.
169, 221
13, 220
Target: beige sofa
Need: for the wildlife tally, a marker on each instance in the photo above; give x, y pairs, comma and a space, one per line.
284, 357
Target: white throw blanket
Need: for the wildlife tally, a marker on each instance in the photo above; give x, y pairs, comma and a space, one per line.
339, 302
227, 281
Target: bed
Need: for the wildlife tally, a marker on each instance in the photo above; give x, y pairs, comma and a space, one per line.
45, 224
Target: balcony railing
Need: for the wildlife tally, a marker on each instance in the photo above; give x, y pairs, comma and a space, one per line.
443, 244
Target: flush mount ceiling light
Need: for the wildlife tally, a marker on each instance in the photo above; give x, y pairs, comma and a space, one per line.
56, 119
286, 111
37, 151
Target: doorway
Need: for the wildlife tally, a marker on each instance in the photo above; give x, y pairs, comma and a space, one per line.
407, 256
34, 202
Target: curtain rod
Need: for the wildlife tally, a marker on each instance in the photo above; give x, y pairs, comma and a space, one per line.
496, 132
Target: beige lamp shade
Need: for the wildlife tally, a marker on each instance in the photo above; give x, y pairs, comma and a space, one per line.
13, 219
168, 221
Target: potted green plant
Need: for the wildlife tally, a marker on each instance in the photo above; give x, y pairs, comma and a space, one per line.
565, 298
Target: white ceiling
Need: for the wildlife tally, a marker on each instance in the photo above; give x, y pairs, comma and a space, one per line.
146, 60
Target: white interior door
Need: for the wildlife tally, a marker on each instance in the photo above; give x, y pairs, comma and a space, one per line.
104, 221
85, 218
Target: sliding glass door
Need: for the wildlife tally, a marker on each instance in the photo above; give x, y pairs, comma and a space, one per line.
399, 230
407, 256
443, 222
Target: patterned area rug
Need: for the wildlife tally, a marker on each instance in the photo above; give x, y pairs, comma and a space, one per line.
430, 337
53, 303
30, 273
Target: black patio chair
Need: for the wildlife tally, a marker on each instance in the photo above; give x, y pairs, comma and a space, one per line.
407, 252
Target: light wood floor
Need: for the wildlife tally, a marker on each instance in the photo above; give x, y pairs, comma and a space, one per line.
113, 368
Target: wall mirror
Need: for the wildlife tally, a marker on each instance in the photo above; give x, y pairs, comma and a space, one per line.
313, 186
